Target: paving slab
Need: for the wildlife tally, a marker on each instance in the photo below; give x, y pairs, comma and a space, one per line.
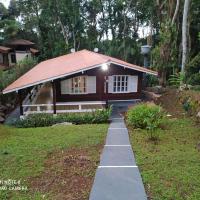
118, 184
118, 131
117, 156
119, 125
114, 138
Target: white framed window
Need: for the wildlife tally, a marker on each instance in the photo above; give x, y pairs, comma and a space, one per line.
120, 83
78, 85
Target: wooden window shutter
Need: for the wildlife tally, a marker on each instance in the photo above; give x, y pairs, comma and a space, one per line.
110, 84
132, 83
65, 86
91, 84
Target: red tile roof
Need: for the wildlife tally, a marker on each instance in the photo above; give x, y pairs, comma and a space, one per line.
66, 65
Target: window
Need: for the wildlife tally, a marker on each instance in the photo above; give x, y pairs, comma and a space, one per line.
78, 85
120, 83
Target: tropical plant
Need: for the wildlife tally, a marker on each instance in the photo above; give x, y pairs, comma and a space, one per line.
177, 79
141, 115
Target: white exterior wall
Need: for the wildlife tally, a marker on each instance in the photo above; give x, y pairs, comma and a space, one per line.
21, 55
9, 59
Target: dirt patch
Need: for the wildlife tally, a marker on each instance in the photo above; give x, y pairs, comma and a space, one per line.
170, 101
68, 174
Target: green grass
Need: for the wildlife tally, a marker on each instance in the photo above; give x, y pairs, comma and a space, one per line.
23, 151
171, 168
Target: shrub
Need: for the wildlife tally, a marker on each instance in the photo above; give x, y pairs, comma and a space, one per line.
151, 80
194, 79
143, 115
42, 120
35, 120
193, 66
195, 88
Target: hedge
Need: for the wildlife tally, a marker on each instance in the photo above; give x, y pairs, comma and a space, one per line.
42, 120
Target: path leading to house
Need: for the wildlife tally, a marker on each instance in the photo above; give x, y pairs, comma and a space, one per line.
117, 177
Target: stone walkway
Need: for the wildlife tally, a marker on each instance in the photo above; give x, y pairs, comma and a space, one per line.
117, 177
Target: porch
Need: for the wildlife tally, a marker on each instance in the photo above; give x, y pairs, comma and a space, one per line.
41, 100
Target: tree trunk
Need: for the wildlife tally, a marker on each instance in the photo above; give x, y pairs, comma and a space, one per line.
64, 31
184, 34
163, 77
176, 12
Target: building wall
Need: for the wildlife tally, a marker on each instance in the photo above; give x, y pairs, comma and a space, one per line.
21, 55
100, 79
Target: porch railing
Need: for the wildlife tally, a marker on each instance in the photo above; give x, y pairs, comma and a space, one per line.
64, 107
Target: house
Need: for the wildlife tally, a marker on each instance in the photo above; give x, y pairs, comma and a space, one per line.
16, 51
78, 82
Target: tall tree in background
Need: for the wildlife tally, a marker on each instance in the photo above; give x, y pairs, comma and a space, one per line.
184, 34
111, 25
8, 25
165, 53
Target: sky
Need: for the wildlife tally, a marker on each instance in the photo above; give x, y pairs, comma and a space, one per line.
5, 2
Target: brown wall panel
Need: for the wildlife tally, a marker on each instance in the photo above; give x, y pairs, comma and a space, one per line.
100, 78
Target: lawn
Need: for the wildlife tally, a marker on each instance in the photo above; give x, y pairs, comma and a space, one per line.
171, 167
53, 162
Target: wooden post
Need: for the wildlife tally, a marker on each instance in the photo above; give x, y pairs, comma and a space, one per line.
20, 99
106, 77
54, 97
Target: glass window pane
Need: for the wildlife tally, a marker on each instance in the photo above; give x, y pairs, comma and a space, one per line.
118, 78
78, 85
118, 83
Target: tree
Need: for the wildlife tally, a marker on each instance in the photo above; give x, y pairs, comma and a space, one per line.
8, 25
165, 54
184, 34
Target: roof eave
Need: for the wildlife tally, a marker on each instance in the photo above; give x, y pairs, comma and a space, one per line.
78, 71
52, 78
148, 71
